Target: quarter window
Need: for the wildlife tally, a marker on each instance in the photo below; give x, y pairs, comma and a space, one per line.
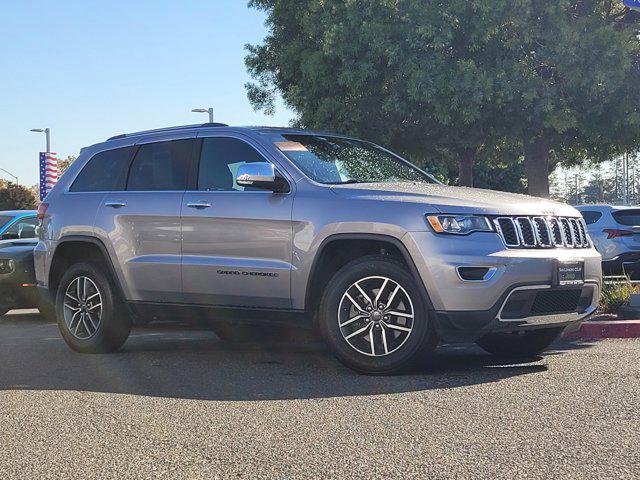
161, 166
219, 163
105, 172
591, 217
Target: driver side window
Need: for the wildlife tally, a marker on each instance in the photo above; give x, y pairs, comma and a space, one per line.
219, 162
24, 228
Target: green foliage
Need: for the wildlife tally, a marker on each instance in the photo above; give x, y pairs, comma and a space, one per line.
65, 163
441, 82
616, 295
16, 197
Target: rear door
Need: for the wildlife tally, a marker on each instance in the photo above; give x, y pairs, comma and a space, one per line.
236, 241
142, 222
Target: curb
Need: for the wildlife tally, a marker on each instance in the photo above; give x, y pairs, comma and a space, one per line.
599, 330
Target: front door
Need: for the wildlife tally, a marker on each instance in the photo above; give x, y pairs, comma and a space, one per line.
236, 241
142, 222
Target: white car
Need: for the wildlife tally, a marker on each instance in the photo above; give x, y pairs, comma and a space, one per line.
615, 231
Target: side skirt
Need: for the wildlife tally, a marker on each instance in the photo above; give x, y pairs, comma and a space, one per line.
205, 314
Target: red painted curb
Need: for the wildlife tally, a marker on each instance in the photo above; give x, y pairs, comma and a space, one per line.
597, 330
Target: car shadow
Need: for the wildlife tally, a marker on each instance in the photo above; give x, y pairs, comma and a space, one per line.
176, 361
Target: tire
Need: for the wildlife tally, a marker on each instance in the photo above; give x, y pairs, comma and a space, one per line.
88, 334
399, 342
524, 344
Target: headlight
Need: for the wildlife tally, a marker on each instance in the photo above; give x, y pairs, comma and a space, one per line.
6, 266
459, 224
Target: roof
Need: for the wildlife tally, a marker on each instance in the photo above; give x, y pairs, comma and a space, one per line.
604, 206
223, 126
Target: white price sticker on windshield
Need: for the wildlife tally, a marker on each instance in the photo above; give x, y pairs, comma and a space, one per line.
291, 147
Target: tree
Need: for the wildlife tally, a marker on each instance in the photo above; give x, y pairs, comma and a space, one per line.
65, 163
577, 75
417, 76
16, 197
457, 79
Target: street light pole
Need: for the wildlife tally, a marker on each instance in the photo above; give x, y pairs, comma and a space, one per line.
205, 110
47, 132
11, 175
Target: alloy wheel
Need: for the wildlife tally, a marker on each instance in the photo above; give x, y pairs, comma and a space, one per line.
376, 316
82, 308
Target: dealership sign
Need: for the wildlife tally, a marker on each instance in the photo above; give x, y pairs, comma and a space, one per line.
632, 4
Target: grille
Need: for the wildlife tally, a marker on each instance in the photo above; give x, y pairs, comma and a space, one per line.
555, 301
542, 232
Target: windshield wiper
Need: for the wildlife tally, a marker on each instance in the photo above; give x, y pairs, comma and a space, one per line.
346, 182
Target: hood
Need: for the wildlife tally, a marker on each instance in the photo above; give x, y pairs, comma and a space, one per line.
447, 199
12, 246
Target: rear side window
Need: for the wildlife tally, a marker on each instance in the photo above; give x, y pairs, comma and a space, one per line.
161, 166
105, 172
629, 217
591, 217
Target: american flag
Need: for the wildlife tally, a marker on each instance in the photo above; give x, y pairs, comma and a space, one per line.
48, 173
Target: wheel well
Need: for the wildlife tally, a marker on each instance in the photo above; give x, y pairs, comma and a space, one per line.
72, 252
336, 254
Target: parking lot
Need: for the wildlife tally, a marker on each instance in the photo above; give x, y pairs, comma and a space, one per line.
178, 403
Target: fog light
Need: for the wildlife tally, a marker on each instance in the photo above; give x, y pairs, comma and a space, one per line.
6, 266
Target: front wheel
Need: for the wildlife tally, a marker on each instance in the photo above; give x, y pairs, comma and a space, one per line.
90, 316
523, 344
373, 317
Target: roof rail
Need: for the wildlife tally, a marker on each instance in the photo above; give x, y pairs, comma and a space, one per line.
167, 129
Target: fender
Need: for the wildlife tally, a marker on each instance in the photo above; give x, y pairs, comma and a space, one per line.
105, 254
368, 236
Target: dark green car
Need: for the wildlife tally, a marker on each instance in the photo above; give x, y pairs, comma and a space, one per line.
17, 278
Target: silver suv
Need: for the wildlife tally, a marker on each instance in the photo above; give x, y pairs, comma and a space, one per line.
245, 227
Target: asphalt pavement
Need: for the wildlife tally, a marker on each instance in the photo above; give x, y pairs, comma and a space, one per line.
178, 403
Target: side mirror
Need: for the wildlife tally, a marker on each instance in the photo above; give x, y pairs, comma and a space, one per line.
10, 236
261, 175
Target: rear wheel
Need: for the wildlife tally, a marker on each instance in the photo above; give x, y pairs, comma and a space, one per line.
90, 316
373, 317
519, 344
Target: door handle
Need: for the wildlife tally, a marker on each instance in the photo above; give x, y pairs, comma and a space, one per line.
115, 204
201, 205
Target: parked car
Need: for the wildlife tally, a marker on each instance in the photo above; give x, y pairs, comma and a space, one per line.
17, 278
18, 224
284, 225
615, 231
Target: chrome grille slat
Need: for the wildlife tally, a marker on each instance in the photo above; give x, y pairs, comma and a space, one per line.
542, 232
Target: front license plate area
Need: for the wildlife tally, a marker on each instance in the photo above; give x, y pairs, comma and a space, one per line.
569, 272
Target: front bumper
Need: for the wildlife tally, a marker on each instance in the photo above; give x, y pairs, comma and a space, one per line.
466, 310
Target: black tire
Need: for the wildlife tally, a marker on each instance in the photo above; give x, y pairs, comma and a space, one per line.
414, 349
113, 326
525, 344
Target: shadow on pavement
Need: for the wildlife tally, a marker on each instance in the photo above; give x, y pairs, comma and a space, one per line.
170, 360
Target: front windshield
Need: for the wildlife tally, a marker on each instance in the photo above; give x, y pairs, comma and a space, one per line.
336, 160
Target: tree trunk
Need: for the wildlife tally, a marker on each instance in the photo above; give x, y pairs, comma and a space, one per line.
536, 163
466, 159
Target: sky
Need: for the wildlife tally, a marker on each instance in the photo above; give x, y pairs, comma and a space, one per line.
89, 70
